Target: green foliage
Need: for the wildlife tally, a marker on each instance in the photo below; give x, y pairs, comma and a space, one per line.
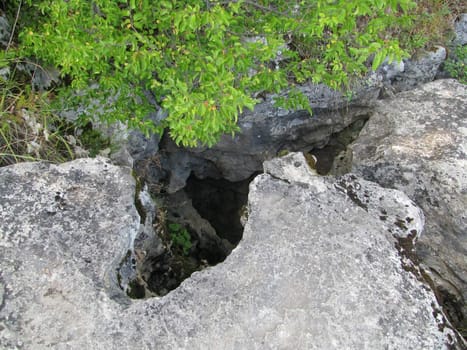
283, 152
456, 65
204, 60
180, 237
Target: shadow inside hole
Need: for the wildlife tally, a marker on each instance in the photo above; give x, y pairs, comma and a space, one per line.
221, 202
198, 227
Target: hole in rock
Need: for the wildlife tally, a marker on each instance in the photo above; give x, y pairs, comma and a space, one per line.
199, 225
196, 227
221, 203
332, 158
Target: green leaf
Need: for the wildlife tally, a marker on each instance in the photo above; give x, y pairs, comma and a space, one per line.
379, 58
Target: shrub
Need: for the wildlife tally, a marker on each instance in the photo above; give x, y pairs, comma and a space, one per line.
29, 129
203, 61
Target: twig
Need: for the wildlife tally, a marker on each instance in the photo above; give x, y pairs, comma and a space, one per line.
253, 4
14, 26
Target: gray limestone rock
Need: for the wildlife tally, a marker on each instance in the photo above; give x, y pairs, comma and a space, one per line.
127, 146
5, 31
63, 231
412, 72
131, 146
318, 267
264, 133
461, 30
417, 143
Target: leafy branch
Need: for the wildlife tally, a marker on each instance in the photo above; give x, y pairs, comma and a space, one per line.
204, 61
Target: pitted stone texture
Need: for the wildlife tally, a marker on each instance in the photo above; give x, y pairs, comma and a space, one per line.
417, 143
315, 269
460, 30
414, 71
63, 230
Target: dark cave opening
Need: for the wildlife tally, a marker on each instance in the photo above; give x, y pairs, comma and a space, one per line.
195, 227
221, 203
200, 224
332, 158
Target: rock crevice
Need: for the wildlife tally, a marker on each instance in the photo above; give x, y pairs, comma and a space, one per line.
313, 270
416, 143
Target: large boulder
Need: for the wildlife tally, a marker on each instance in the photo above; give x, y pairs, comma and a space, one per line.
63, 230
323, 265
417, 143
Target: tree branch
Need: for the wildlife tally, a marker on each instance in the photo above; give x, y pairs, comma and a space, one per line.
14, 26
253, 4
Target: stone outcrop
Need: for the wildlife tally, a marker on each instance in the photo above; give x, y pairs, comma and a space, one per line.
460, 30
408, 74
268, 130
264, 132
417, 143
62, 230
323, 264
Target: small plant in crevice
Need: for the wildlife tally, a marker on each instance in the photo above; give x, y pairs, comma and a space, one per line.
456, 65
93, 140
180, 237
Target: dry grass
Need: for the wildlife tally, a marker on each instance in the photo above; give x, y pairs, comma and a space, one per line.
433, 24
29, 132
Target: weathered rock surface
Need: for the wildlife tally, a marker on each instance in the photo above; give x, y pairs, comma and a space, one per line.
317, 268
460, 30
63, 229
264, 133
410, 73
417, 143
